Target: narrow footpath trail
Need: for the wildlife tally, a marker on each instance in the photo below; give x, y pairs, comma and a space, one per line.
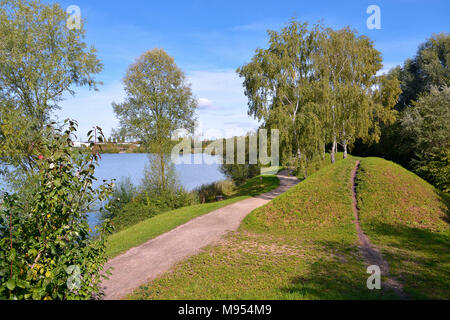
141, 264
371, 254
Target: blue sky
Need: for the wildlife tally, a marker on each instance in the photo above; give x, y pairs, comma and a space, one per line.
211, 39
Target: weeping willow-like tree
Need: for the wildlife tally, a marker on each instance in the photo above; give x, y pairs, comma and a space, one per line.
354, 96
318, 87
281, 88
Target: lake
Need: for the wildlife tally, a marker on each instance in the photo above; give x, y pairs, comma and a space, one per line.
118, 166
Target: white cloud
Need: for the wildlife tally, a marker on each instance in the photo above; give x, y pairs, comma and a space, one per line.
223, 104
204, 103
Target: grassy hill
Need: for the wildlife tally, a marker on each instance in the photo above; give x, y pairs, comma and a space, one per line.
303, 245
408, 220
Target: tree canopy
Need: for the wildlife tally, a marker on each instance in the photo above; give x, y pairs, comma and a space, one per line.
159, 101
318, 86
40, 61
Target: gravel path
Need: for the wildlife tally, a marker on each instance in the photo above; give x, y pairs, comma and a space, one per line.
141, 264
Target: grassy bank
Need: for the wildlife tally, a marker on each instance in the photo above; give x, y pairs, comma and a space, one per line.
164, 222
407, 219
303, 244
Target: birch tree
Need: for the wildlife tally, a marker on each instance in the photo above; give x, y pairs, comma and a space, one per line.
347, 65
280, 85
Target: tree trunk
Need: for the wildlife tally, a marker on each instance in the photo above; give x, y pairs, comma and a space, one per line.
163, 172
345, 148
333, 151
344, 143
324, 150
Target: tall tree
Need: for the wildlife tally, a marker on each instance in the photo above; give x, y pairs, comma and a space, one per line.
429, 68
427, 124
40, 61
159, 101
347, 65
280, 87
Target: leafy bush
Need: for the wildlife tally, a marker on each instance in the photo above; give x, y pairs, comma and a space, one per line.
130, 205
209, 192
240, 173
144, 206
132, 213
123, 193
46, 251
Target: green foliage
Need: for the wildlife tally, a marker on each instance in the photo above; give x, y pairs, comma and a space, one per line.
208, 192
280, 87
160, 177
124, 192
319, 86
240, 173
427, 125
46, 248
144, 205
430, 67
159, 101
417, 139
130, 205
40, 61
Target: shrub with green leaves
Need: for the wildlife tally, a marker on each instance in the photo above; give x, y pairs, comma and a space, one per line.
47, 250
209, 192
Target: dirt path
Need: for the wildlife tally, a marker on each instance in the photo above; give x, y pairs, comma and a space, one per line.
141, 264
371, 254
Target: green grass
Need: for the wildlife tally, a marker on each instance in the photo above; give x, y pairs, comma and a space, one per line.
148, 229
258, 185
407, 219
303, 244
316, 165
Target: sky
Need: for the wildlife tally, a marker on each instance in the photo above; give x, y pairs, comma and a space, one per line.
209, 40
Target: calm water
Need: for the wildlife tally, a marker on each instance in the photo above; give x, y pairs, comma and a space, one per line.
118, 166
